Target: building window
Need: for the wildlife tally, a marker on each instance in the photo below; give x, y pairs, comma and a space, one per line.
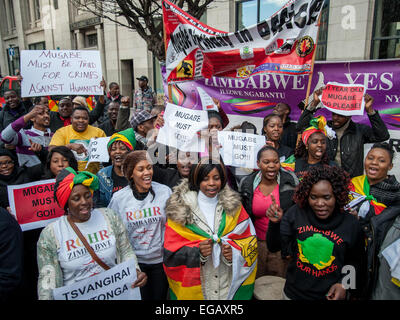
12, 16
157, 76
36, 4
386, 34
37, 46
55, 4
251, 12
91, 40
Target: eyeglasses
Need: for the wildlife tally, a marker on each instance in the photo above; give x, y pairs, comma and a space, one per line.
6, 163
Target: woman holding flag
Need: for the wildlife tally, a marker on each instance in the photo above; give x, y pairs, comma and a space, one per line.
376, 203
210, 245
61, 255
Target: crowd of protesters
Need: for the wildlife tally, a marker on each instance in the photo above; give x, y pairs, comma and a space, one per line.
198, 229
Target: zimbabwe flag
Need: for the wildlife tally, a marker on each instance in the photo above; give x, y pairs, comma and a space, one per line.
182, 257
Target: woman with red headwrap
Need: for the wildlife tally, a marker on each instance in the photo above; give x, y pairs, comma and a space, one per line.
62, 258
311, 150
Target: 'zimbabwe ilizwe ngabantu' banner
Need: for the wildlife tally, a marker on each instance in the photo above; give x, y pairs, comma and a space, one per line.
283, 43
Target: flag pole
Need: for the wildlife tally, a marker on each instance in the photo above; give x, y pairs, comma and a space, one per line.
312, 63
165, 49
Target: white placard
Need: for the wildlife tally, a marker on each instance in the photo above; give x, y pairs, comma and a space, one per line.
60, 72
113, 284
97, 150
240, 149
180, 128
206, 101
346, 99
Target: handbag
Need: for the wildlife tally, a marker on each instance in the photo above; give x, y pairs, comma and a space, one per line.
86, 244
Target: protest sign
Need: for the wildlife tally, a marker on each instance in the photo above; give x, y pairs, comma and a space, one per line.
240, 149
33, 204
60, 72
283, 43
181, 128
113, 284
97, 150
206, 101
344, 99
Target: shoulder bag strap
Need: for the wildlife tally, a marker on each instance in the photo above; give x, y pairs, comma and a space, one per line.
86, 244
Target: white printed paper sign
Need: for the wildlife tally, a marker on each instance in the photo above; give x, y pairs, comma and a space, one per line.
206, 101
60, 72
97, 150
180, 128
113, 284
240, 149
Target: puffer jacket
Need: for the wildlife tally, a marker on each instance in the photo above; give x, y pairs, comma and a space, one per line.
352, 141
182, 208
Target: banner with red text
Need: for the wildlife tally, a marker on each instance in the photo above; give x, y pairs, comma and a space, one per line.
283, 43
33, 204
344, 99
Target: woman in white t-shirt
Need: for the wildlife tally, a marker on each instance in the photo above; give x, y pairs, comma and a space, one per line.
62, 257
141, 205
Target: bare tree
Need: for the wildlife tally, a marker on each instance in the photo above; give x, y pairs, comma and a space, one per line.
144, 16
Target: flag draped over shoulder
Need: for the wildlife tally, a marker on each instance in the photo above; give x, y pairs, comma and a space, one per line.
360, 191
284, 43
182, 258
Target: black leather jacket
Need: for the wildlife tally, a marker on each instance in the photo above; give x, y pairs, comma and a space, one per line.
352, 141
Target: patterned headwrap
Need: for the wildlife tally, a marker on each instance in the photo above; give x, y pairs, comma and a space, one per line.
127, 137
317, 125
67, 179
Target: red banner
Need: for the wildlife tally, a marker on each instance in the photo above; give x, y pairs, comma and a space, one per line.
284, 44
33, 204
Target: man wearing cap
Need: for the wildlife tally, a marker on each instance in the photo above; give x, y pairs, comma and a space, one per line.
142, 122
144, 98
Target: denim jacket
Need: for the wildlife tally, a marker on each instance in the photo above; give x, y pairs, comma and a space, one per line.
102, 196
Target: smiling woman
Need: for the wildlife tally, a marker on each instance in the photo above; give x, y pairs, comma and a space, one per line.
141, 206
61, 254
319, 238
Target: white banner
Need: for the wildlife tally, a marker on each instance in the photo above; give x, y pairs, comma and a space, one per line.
180, 128
113, 284
240, 149
97, 150
60, 72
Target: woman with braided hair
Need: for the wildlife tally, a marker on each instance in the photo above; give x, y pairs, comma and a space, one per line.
61, 257
319, 237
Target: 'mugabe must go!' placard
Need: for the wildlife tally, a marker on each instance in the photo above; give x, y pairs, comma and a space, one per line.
240, 149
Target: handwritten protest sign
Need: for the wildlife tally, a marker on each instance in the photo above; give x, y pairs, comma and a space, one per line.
33, 204
181, 127
344, 99
113, 284
206, 101
240, 149
60, 72
97, 150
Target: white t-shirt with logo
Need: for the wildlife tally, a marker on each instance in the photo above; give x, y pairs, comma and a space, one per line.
76, 262
144, 220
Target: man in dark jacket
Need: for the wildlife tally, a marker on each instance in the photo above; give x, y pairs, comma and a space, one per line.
11, 256
347, 148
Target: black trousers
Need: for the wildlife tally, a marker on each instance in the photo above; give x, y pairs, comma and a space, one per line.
156, 287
